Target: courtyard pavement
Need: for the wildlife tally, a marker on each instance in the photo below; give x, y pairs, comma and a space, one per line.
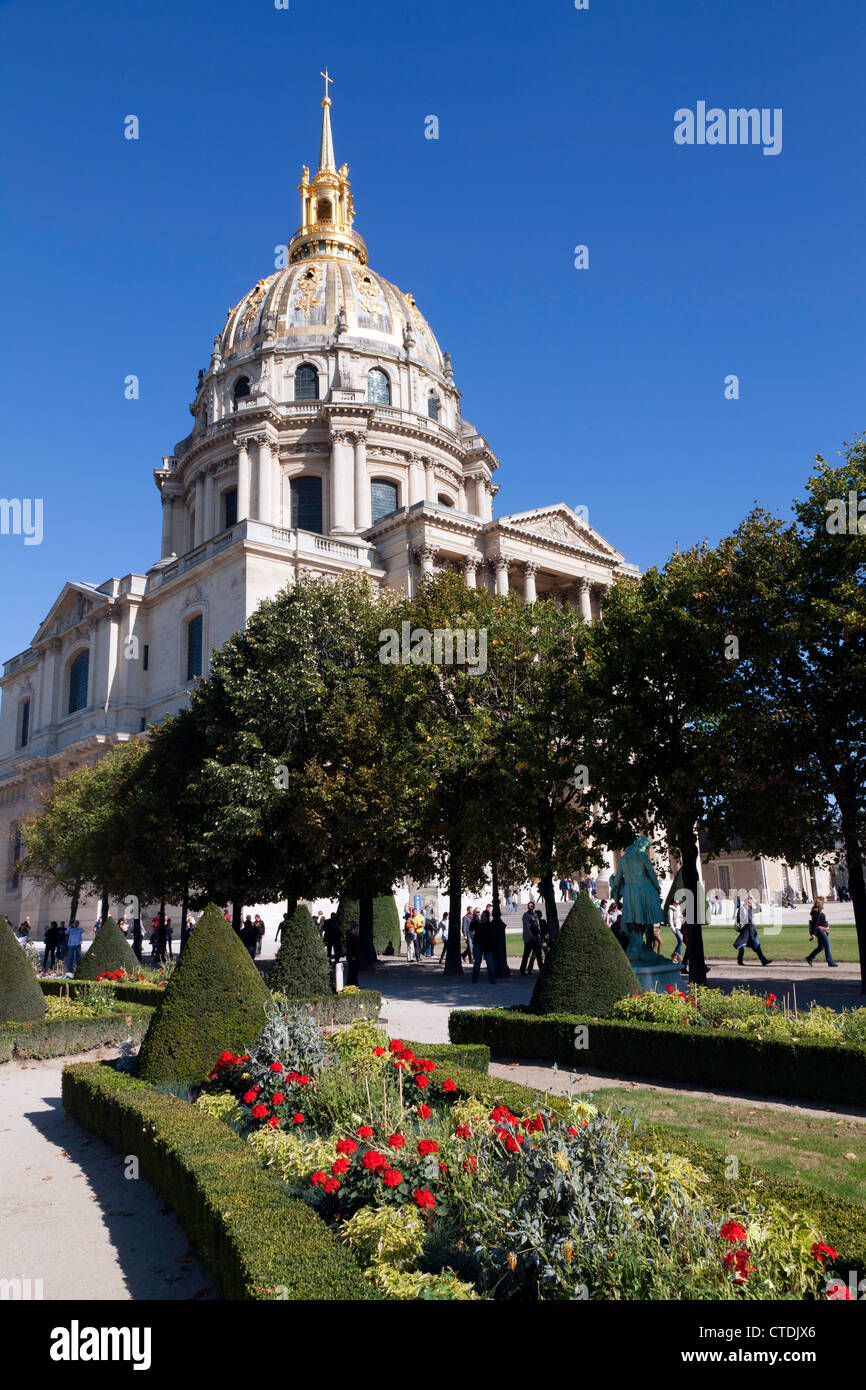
68, 1215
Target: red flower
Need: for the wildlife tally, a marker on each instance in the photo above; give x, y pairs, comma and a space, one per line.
443, 1167
259, 1111
470, 1163
395, 1045
365, 1132
428, 1146
423, 1111
251, 1095
378, 1052
738, 1260
424, 1198
226, 1057
274, 1122
820, 1252
401, 1066
276, 1066
462, 1131
771, 999
302, 1080
340, 1166
346, 1146
733, 1231
374, 1161
391, 1178
422, 1081
298, 1119
512, 1142
449, 1085
396, 1141
318, 1177
332, 1185
277, 1098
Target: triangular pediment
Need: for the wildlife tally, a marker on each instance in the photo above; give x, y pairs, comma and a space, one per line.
76, 601
562, 525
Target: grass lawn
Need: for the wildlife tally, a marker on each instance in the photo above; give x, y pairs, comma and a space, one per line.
782, 943
826, 1154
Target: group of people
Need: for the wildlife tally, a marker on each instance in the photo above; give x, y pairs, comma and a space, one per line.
570, 887
421, 931
61, 946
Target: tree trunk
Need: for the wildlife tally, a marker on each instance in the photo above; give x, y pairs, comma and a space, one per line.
73, 905
367, 960
161, 934
184, 918
857, 889
136, 940
237, 917
691, 883
500, 950
104, 907
545, 883
453, 964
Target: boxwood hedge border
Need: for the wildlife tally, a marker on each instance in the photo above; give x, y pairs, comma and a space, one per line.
327, 1009
708, 1057
62, 1037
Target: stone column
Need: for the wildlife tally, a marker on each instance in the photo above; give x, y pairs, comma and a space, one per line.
342, 490
487, 512
265, 474
198, 535
243, 479
585, 600
167, 527
113, 619
416, 480
530, 570
461, 497
429, 481
501, 566
209, 523
424, 556
363, 509
276, 484
51, 681
470, 567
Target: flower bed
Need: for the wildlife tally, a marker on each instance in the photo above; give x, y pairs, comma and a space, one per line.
77, 1028
709, 1056
130, 990
743, 1011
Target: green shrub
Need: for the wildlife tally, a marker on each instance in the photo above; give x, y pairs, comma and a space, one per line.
109, 950
21, 999
214, 1002
64, 1036
386, 920
709, 1057
586, 970
301, 966
132, 992
255, 1240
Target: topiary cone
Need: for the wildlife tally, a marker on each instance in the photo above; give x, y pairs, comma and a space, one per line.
213, 1003
586, 970
109, 950
21, 999
301, 966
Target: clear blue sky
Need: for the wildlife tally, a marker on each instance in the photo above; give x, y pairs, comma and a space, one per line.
602, 387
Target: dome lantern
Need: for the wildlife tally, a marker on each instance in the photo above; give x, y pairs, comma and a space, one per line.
327, 207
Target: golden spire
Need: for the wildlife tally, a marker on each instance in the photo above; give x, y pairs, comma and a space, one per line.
326, 148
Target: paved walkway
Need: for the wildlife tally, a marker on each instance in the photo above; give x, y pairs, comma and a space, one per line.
68, 1215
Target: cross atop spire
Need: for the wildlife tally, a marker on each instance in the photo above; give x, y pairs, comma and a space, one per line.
326, 149
327, 80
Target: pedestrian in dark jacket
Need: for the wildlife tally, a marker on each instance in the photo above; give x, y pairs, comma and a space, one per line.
50, 944
747, 937
820, 930
531, 940
482, 946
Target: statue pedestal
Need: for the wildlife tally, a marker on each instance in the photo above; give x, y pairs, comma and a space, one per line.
657, 977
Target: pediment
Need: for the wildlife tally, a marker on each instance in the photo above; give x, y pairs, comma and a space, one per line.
560, 524
75, 602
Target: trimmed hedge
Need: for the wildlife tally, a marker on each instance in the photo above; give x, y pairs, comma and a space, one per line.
109, 950
842, 1223
328, 1009
467, 1056
62, 1037
586, 970
386, 920
301, 964
214, 1001
706, 1057
254, 1239
144, 993
21, 999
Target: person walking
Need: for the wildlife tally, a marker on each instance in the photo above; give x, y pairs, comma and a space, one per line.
74, 934
260, 933
353, 954
50, 951
820, 930
531, 940
443, 931
169, 937
429, 932
249, 936
747, 937
466, 932
482, 946
62, 933
675, 922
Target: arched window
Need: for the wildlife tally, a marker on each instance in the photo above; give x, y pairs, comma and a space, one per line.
433, 406
306, 383
307, 504
79, 673
194, 633
230, 507
378, 387
323, 210
242, 389
384, 499
444, 501
23, 723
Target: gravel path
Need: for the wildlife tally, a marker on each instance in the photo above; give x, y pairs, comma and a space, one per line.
68, 1215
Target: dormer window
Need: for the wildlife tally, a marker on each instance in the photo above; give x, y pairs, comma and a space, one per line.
242, 389
378, 387
306, 383
433, 406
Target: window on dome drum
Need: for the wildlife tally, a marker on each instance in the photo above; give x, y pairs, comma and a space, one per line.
306, 383
230, 507
378, 387
444, 501
307, 504
433, 406
242, 389
79, 673
384, 499
23, 724
194, 646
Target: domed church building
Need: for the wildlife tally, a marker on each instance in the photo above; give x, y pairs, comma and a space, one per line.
328, 436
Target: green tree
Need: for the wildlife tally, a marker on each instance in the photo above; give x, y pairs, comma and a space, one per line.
301, 967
